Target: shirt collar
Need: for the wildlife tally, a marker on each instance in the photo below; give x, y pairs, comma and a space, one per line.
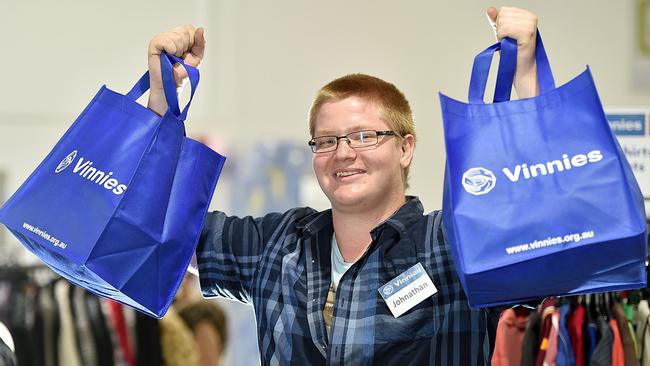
314, 223
401, 220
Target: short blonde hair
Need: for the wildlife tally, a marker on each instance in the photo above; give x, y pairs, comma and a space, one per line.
393, 105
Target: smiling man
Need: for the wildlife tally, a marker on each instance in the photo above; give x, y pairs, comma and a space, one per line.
371, 280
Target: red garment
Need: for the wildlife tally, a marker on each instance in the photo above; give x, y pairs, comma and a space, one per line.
618, 358
627, 335
119, 323
575, 325
551, 352
510, 338
548, 308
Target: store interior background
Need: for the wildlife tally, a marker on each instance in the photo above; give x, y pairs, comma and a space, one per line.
264, 61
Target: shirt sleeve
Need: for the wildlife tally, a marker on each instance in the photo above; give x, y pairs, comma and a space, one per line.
230, 249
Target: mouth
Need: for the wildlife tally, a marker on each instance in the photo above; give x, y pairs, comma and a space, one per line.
347, 173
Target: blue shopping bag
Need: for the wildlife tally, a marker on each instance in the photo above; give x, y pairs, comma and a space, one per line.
538, 198
118, 204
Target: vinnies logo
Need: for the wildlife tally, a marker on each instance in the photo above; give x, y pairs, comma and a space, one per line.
388, 290
479, 181
66, 162
85, 169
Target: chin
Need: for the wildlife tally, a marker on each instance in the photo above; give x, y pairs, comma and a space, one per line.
348, 198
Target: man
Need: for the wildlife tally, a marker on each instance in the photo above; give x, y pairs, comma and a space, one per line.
313, 277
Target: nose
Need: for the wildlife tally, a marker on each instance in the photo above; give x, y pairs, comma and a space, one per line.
344, 151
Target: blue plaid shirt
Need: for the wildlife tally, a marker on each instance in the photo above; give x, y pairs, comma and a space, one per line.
280, 263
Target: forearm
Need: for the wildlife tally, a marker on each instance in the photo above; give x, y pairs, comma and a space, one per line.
157, 102
525, 82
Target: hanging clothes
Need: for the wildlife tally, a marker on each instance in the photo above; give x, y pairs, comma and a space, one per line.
36, 331
531, 339
627, 337
548, 308
565, 356
618, 355
597, 329
53, 323
118, 355
630, 315
576, 328
509, 339
68, 352
592, 340
129, 317
602, 355
551, 351
119, 323
18, 327
100, 330
148, 347
85, 338
643, 332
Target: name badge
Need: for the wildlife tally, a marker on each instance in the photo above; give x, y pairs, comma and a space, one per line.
407, 290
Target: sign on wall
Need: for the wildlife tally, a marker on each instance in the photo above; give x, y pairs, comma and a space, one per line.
632, 129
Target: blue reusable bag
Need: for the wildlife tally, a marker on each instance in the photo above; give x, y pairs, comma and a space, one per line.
539, 199
118, 204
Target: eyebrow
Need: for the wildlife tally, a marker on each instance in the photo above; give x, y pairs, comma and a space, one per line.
351, 129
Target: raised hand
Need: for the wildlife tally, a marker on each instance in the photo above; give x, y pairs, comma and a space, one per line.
185, 42
521, 25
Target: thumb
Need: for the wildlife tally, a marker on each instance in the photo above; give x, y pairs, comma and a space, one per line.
198, 48
492, 14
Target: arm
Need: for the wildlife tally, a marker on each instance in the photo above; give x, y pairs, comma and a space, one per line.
521, 25
228, 252
231, 250
185, 42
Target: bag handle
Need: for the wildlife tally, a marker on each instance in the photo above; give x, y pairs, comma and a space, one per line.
506, 72
166, 66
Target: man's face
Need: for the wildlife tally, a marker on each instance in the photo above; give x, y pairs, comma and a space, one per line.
358, 179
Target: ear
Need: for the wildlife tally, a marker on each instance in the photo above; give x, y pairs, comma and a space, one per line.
407, 147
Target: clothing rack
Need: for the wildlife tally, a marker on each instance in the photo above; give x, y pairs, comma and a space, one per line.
38, 274
54, 323
599, 328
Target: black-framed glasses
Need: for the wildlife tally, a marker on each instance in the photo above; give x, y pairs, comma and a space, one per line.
356, 140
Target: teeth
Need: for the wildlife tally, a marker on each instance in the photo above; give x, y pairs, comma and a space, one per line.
346, 174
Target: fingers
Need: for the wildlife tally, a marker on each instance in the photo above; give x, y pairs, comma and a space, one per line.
184, 42
184, 39
195, 54
512, 22
180, 74
492, 14
198, 47
190, 32
177, 41
521, 25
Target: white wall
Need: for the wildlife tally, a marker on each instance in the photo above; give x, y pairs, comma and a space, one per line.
265, 60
